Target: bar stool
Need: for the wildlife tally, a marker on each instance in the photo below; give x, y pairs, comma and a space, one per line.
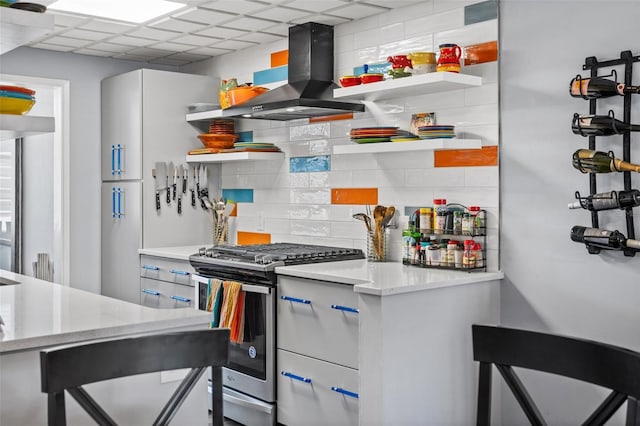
611, 367
70, 367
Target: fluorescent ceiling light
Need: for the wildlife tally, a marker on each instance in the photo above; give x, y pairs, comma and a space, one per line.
123, 10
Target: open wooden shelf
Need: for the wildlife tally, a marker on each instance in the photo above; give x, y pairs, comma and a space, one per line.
409, 86
419, 145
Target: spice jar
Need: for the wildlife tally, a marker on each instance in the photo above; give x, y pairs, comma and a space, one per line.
466, 223
443, 255
468, 256
440, 215
457, 222
425, 218
452, 245
458, 257
433, 255
477, 250
477, 227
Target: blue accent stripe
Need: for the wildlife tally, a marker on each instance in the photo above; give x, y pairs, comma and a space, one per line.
480, 12
320, 163
238, 195
245, 136
271, 75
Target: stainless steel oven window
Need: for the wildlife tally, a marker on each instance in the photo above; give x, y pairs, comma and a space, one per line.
250, 356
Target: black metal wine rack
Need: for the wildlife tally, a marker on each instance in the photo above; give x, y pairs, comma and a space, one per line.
593, 65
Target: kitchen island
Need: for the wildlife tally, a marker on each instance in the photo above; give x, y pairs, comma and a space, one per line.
38, 314
414, 350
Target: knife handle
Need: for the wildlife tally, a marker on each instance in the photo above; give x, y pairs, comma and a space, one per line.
174, 191
179, 205
168, 194
157, 200
184, 185
193, 198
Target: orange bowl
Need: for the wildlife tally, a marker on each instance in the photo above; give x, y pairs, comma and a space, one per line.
219, 141
371, 78
349, 80
244, 93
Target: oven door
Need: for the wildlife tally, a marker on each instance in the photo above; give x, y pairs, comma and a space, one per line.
251, 366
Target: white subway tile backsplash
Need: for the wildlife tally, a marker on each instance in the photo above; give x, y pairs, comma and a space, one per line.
309, 131
406, 160
340, 179
489, 134
408, 13
487, 70
377, 36
354, 229
298, 180
319, 147
310, 196
442, 21
444, 177
481, 176
422, 43
485, 94
310, 228
274, 195
466, 116
319, 180
313, 212
353, 162
435, 102
469, 34
440, 5
378, 178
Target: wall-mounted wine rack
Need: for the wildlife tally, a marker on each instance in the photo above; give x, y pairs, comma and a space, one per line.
593, 65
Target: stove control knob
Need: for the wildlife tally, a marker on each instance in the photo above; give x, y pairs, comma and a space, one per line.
263, 259
209, 253
202, 251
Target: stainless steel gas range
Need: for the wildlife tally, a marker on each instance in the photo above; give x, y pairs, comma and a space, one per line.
249, 379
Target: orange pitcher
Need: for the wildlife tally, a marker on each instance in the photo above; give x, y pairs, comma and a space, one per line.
449, 59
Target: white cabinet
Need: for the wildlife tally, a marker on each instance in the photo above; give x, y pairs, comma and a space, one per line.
317, 352
166, 283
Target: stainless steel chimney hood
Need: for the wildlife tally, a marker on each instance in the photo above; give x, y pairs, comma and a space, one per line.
309, 91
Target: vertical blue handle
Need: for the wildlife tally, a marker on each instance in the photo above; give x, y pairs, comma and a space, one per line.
119, 212
113, 153
295, 377
345, 392
151, 292
177, 272
150, 267
296, 300
119, 160
345, 308
113, 202
181, 299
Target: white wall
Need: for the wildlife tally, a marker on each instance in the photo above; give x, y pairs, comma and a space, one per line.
551, 282
84, 74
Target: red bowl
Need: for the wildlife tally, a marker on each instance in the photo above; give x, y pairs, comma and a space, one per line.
371, 78
349, 80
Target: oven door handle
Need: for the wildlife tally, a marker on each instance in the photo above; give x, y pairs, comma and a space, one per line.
249, 288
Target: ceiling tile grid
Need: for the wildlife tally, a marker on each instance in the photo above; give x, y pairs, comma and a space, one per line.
201, 29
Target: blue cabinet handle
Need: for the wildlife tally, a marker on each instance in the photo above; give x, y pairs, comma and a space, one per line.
151, 267
295, 377
296, 300
177, 272
119, 209
181, 299
113, 202
151, 292
345, 392
119, 170
113, 161
345, 308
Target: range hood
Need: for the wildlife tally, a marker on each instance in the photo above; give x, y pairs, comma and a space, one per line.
309, 92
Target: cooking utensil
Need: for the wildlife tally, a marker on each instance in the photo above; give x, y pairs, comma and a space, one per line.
185, 177
388, 215
192, 184
169, 174
176, 177
204, 189
366, 219
160, 180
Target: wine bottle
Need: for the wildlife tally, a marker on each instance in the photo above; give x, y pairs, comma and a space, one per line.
602, 238
589, 161
608, 201
600, 125
598, 87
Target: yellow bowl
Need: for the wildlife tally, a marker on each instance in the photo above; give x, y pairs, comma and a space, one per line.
15, 106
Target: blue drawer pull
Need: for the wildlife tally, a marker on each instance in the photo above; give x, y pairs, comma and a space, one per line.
113, 162
345, 308
151, 292
151, 267
177, 272
295, 299
295, 377
119, 170
345, 392
181, 299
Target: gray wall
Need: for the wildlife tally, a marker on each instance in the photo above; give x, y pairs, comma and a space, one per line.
551, 282
84, 74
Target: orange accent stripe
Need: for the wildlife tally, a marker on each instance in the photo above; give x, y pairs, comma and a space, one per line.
245, 238
280, 58
354, 196
345, 116
234, 212
479, 53
487, 156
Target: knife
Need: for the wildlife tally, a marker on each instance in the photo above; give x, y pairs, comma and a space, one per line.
204, 191
181, 175
168, 175
192, 184
185, 177
176, 174
160, 176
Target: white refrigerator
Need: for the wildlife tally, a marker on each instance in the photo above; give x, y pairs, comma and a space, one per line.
143, 122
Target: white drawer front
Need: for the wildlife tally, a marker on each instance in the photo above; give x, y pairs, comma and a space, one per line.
161, 294
320, 322
170, 270
314, 402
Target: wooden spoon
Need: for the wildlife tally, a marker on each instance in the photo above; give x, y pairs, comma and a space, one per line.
388, 215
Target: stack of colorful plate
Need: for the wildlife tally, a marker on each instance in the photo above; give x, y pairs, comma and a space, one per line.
255, 147
6, 3
436, 132
222, 126
16, 100
373, 134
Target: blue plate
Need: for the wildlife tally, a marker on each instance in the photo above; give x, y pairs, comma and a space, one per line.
8, 94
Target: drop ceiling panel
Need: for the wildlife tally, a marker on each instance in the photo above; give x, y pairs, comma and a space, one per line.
202, 28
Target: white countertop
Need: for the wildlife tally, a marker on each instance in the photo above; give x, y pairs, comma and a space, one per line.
179, 253
38, 313
386, 278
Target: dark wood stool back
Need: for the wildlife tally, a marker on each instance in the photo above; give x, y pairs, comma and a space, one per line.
611, 367
70, 367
